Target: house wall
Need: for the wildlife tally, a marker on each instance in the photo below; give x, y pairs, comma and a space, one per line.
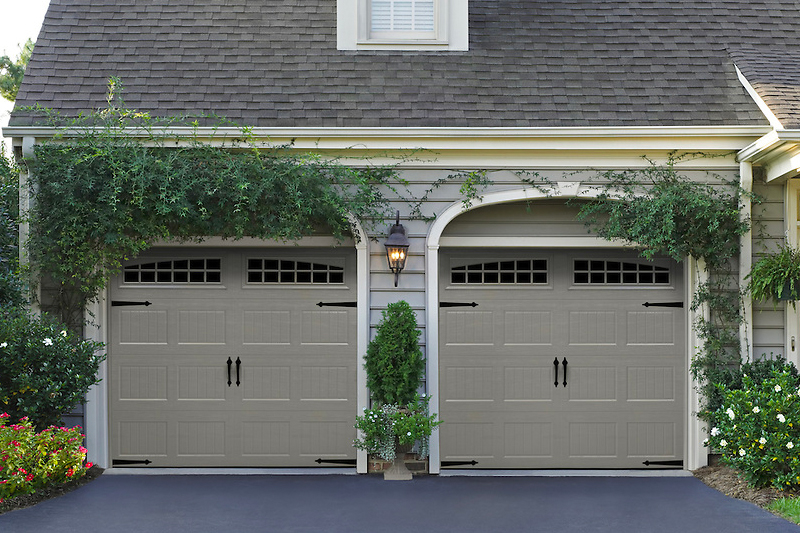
767, 335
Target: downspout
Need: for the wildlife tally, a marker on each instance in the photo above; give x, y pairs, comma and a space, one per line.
25, 204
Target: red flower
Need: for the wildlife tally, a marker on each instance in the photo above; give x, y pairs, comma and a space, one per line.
29, 477
89, 465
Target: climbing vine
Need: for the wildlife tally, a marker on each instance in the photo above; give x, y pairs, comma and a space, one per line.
664, 212
102, 195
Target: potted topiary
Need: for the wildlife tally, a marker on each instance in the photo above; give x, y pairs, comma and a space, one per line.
399, 417
776, 276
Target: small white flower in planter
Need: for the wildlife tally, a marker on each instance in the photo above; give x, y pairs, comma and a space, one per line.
778, 388
730, 413
762, 441
48, 341
790, 445
756, 409
4, 345
781, 418
714, 432
723, 443
742, 453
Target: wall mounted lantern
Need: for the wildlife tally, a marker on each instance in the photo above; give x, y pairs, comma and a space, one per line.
397, 248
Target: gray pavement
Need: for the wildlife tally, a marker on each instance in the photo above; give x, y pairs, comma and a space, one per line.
339, 503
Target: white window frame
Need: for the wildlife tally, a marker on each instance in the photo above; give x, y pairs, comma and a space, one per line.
450, 29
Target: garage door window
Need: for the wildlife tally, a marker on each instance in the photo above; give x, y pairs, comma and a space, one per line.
281, 271
193, 271
516, 272
594, 272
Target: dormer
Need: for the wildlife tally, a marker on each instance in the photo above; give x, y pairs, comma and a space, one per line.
413, 25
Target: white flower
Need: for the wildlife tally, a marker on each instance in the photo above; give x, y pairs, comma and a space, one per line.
762, 440
742, 453
781, 418
4, 345
756, 409
48, 341
723, 443
790, 445
64, 333
409, 433
778, 388
714, 432
705, 442
730, 413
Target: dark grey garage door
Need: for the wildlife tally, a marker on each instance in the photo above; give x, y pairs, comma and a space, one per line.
561, 364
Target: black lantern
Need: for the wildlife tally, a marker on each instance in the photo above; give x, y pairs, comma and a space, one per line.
397, 248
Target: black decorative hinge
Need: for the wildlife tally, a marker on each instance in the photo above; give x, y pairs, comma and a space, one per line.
460, 463
122, 303
675, 462
458, 304
129, 462
663, 304
348, 462
337, 304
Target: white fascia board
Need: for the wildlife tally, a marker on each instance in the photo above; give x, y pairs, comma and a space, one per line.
483, 147
762, 105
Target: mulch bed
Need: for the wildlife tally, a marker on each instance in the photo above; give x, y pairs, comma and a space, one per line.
728, 482
27, 500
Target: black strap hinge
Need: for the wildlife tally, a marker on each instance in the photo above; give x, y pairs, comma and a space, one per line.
130, 462
674, 462
663, 304
337, 304
122, 303
348, 462
458, 304
459, 463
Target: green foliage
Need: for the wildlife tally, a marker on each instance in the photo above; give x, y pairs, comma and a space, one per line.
757, 430
31, 461
46, 369
394, 360
769, 275
10, 287
384, 426
12, 72
103, 195
664, 212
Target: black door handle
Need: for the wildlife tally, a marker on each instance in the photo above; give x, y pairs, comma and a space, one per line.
555, 367
565, 371
229, 371
238, 365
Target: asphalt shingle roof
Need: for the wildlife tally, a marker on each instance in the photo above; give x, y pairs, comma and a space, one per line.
774, 73
274, 63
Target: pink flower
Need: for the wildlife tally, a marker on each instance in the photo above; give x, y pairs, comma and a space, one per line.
81, 449
29, 477
5, 415
89, 465
14, 443
24, 418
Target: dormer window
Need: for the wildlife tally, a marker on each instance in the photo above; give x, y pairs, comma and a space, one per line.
402, 25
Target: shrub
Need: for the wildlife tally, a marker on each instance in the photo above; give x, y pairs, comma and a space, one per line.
10, 288
46, 370
32, 461
394, 361
382, 426
757, 429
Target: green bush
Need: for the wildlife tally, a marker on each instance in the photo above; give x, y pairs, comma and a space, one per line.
394, 361
731, 377
757, 429
46, 370
32, 461
381, 427
10, 287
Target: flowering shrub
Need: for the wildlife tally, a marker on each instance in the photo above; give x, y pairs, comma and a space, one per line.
46, 370
757, 430
30, 461
383, 426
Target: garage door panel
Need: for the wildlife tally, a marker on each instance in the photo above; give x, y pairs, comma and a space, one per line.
625, 372
170, 398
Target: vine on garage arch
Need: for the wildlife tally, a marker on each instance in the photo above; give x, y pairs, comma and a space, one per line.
102, 195
661, 211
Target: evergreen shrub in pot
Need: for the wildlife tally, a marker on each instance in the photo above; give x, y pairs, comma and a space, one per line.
395, 366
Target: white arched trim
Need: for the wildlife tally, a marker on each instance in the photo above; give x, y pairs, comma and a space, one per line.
560, 190
98, 317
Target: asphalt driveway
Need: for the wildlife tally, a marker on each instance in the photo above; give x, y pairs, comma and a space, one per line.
339, 503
